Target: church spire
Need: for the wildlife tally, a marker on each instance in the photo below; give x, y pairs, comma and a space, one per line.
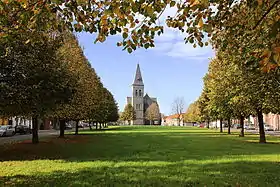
138, 77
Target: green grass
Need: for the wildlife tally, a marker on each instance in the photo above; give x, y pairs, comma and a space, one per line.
143, 156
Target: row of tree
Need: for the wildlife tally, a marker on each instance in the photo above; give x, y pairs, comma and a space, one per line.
244, 32
243, 78
232, 91
51, 78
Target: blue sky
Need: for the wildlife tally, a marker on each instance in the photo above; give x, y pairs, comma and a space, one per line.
171, 69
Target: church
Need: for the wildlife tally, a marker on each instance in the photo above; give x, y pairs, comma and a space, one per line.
139, 101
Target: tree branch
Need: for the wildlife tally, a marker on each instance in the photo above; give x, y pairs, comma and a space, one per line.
265, 14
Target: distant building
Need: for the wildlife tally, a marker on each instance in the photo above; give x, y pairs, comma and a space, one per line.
173, 120
43, 124
139, 101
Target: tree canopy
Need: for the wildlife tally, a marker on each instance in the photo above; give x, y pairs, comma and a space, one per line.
153, 113
231, 25
232, 91
193, 113
128, 114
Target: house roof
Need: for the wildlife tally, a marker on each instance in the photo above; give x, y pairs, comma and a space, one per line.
174, 116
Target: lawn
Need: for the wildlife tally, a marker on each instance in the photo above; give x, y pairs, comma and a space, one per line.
143, 156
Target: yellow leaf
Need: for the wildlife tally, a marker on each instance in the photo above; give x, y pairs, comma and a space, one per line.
260, 2
194, 2
132, 25
276, 58
200, 23
276, 49
266, 53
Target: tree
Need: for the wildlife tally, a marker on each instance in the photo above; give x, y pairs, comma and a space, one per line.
138, 23
87, 84
128, 114
238, 91
33, 81
203, 105
193, 114
178, 108
108, 108
152, 113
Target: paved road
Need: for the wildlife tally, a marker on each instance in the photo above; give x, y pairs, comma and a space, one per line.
272, 133
18, 137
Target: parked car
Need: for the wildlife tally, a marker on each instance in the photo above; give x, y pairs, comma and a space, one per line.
86, 124
68, 126
238, 126
7, 130
251, 127
80, 125
268, 127
23, 129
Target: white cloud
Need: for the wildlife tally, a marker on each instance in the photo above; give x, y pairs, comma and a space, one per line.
171, 42
180, 49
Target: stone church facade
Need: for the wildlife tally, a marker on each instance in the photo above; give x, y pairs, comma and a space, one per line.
139, 101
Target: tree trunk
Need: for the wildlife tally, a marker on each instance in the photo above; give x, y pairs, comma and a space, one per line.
17, 121
208, 124
100, 125
150, 122
89, 124
229, 124
221, 125
62, 127
261, 126
35, 137
96, 125
242, 126
77, 127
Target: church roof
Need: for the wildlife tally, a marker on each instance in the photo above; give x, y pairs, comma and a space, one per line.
147, 97
138, 77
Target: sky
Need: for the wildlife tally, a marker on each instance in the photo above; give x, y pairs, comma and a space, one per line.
171, 69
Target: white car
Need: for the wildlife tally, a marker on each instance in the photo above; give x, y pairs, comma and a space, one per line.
7, 130
268, 127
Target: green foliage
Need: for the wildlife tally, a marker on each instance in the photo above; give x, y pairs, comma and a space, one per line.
33, 81
231, 25
193, 113
128, 114
152, 112
234, 91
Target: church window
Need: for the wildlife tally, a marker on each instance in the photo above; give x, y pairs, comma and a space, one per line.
136, 93
140, 94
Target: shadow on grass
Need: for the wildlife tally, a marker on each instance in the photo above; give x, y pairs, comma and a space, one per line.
136, 146
244, 173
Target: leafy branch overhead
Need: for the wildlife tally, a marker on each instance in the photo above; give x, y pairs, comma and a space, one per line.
238, 22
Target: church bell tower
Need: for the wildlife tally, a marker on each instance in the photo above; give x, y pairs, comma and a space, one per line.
138, 97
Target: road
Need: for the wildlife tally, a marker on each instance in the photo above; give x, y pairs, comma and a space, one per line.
18, 137
272, 133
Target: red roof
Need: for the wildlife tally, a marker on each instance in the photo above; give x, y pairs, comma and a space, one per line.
174, 116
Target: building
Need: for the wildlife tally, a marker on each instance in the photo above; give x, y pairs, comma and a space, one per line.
43, 124
174, 120
139, 101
